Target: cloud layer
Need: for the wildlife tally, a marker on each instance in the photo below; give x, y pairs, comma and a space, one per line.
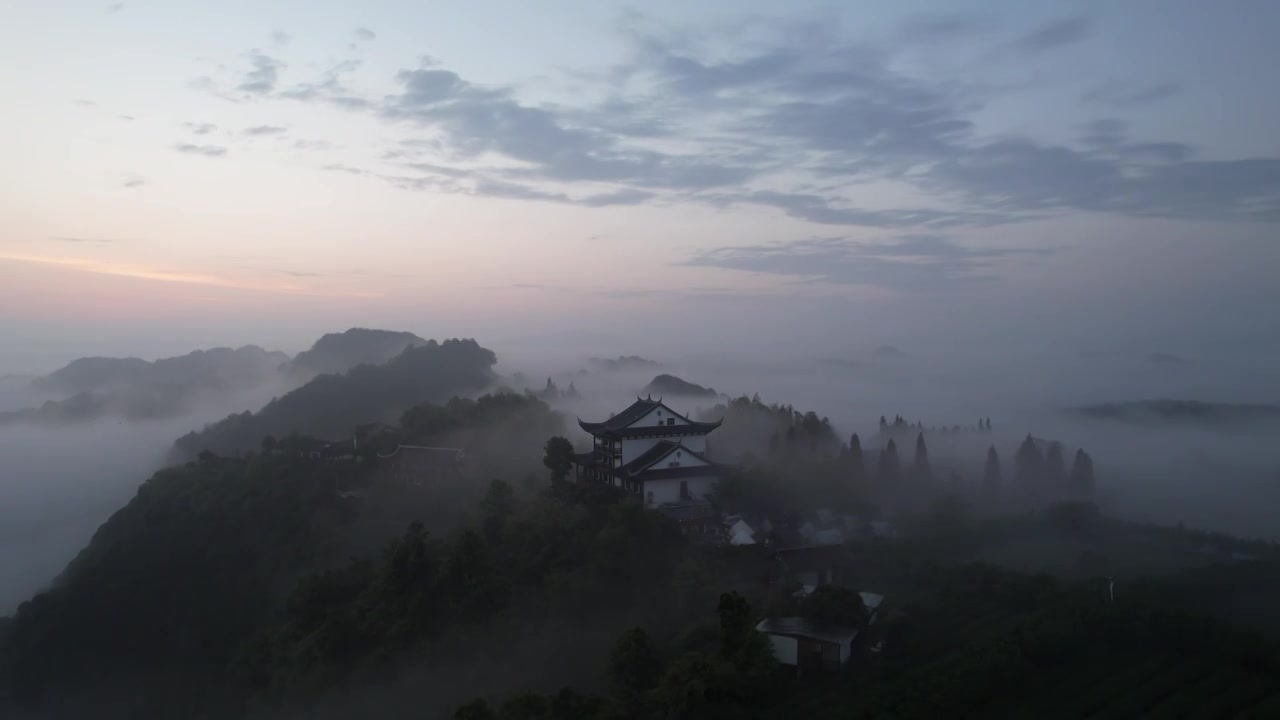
806, 121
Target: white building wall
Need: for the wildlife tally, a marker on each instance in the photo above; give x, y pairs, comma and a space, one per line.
785, 649
633, 448
658, 416
658, 492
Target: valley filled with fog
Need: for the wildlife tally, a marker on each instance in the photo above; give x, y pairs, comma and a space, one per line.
61, 481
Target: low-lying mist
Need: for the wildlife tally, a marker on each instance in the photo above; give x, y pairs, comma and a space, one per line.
1215, 477
58, 484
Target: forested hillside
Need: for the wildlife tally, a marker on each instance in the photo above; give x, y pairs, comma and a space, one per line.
339, 352
283, 583
330, 406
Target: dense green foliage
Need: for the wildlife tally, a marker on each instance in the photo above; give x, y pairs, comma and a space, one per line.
331, 405
330, 584
170, 584
750, 426
962, 641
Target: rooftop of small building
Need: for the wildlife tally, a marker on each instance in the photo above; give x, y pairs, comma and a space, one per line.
686, 510
618, 424
803, 627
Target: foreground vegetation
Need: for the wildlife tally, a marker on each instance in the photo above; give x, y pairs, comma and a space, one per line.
280, 582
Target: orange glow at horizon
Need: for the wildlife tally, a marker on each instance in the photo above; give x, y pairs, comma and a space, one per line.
100, 267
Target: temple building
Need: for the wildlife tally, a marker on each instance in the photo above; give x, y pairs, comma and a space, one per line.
655, 452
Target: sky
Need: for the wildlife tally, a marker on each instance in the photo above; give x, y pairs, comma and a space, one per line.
1024, 177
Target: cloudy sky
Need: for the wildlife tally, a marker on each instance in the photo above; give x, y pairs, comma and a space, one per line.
1082, 176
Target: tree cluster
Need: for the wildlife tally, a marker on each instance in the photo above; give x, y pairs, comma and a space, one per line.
731, 675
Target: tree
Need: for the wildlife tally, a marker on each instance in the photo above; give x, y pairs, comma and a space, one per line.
884, 424
496, 506
1082, 473
477, 709
991, 473
634, 668
735, 623
855, 457
1055, 468
832, 605
1028, 464
558, 457
920, 469
887, 467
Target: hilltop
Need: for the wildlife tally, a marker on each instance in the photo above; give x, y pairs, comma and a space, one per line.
331, 405
622, 363
672, 386
91, 388
340, 352
216, 368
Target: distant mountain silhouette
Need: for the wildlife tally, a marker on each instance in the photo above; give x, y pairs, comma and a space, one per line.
670, 385
339, 352
626, 362
134, 389
218, 367
888, 352
330, 405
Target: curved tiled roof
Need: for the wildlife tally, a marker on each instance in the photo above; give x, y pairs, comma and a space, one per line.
617, 426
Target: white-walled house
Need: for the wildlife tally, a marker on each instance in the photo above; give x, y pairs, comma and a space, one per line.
653, 451
802, 644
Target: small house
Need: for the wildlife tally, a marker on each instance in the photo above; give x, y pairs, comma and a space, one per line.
802, 644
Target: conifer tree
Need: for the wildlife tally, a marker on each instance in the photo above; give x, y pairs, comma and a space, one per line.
1028, 464
1055, 467
884, 424
855, 457
991, 474
920, 469
1082, 473
888, 464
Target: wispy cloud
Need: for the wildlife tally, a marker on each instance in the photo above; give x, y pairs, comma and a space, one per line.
797, 127
200, 128
1128, 96
266, 130
81, 240
133, 181
279, 38
365, 34
262, 78
916, 263
145, 272
205, 150
1059, 33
